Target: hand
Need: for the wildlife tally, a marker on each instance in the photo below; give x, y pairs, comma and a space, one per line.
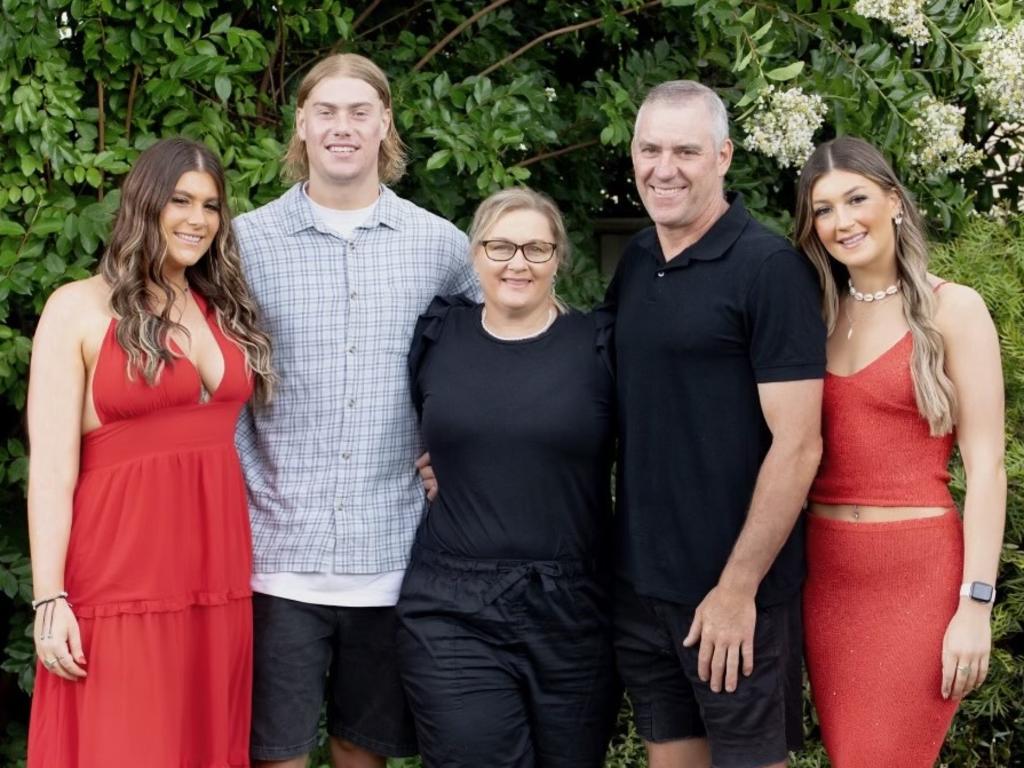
58, 641
724, 624
427, 476
966, 648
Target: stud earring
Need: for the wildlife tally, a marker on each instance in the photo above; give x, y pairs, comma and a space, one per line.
898, 219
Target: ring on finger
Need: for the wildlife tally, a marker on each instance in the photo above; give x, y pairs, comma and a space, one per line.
49, 663
965, 669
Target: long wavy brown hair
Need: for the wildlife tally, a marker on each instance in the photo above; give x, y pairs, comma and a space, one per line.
133, 267
933, 389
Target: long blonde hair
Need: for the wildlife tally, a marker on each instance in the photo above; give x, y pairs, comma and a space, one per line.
391, 160
135, 259
933, 389
519, 199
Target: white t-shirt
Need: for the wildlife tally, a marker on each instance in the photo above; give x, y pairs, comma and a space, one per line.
342, 222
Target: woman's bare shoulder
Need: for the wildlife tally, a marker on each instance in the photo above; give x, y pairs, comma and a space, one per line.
959, 308
79, 308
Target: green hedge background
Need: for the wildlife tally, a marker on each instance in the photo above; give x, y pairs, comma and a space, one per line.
542, 92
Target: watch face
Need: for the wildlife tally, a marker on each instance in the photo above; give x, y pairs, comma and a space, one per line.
981, 592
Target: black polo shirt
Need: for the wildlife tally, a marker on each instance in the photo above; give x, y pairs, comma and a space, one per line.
694, 336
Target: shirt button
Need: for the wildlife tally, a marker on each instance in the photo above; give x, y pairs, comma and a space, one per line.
346, 456
661, 274
353, 295
351, 403
352, 349
337, 506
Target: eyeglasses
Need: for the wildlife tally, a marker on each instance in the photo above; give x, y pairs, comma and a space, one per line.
535, 251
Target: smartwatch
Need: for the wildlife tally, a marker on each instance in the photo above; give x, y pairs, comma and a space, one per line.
979, 592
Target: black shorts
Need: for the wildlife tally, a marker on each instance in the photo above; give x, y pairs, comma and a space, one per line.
299, 650
507, 664
757, 724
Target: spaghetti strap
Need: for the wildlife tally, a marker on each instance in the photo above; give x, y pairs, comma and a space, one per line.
938, 285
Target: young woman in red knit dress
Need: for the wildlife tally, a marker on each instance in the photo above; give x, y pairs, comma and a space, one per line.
139, 527
898, 600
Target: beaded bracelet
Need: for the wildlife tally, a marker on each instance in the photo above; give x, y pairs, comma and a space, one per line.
37, 604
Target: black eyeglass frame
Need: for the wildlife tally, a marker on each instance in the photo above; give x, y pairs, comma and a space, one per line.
519, 247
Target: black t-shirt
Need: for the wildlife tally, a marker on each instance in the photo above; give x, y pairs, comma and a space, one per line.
520, 435
694, 336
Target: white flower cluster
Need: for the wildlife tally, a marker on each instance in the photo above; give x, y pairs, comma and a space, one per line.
550, 93
905, 16
1002, 71
783, 125
937, 146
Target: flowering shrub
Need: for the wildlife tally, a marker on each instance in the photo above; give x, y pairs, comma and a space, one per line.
906, 17
1002, 71
937, 144
784, 124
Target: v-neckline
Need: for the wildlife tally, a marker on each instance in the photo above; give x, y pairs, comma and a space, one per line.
889, 350
211, 393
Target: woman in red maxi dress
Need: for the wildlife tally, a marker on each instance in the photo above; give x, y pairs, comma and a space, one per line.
137, 508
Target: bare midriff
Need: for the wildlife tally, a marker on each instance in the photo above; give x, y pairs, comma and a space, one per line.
859, 513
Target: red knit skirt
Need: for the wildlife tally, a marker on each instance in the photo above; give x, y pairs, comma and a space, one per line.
877, 601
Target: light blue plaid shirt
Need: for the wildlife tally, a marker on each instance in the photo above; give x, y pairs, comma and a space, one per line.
329, 463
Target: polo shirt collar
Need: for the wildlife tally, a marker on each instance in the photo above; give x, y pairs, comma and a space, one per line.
300, 216
715, 242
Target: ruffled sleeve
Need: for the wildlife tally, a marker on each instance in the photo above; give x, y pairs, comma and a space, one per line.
604, 324
428, 331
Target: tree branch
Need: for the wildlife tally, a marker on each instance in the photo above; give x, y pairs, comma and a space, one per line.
130, 109
281, 57
366, 12
556, 153
101, 128
456, 32
561, 31
411, 9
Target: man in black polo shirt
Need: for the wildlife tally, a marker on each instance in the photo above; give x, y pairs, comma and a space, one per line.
720, 356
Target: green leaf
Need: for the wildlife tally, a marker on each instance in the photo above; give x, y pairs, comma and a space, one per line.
439, 159
221, 25
205, 48
785, 73
11, 228
222, 85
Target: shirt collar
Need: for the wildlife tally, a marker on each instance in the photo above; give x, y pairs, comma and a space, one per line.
300, 215
714, 243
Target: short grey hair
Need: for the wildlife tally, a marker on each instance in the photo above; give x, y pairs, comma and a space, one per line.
683, 91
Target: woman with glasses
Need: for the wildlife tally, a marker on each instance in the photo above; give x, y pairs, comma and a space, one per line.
504, 638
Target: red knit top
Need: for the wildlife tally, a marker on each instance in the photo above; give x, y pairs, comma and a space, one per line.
877, 447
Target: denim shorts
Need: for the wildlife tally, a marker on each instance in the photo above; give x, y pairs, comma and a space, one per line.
756, 725
303, 652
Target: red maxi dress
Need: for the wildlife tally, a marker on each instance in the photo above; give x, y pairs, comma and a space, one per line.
157, 570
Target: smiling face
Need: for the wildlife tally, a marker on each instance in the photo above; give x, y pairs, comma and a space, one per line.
517, 286
342, 123
191, 218
678, 167
853, 218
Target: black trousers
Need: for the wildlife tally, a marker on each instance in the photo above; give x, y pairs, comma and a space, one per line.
507, 663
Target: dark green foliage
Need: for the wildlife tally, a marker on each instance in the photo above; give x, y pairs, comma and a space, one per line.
536, 91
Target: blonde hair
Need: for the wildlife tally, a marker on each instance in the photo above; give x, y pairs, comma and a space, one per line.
136, 255
523, 199
391, 158
933, 389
